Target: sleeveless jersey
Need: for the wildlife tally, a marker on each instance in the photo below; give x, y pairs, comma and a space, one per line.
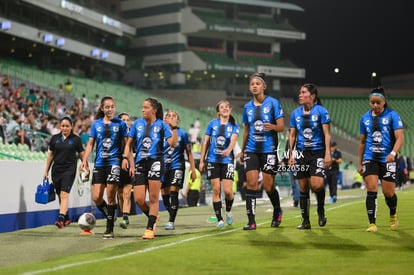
220, 138
259, 140
379, 133
309, 127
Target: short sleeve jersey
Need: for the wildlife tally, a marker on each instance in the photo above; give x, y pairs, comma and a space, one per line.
379, 133
149, 138
220, 138
309, 127
65, 151
108, 139
174, 156
259, 140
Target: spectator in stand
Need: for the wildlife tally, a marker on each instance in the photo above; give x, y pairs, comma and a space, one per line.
20, 91
21, 138
68, 87
85, 103
31, 97
61, 93
12, 126
197, 123
5, 84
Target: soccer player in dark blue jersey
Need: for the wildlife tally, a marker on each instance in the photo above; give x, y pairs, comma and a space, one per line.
107, 132
309, 154
174, 161
220, 139
381, 138
263, 119
149, 133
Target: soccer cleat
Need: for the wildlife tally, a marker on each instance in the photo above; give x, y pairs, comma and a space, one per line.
322, 221
66, 222
394, 222
86, 233
108, 235
250, 227
148, 234
220, 224
169, 226
229, 218
304, 226
124, 224
277, 220
372, 228
59, 224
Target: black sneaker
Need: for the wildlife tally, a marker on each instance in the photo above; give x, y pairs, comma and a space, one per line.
304, 226
250, 227
322, 221
277, 219
108, 235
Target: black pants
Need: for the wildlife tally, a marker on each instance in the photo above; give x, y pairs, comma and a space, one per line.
332, 181
192, 198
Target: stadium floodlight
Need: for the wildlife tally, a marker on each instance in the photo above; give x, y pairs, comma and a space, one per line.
95, 52
5, 25
47, 37
60, 42
104, 55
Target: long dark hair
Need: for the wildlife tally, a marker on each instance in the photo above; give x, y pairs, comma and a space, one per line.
100, 113
313, 89
157, 106
231, 118
69, 120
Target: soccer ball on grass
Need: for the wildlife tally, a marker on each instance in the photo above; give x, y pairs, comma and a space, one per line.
87, 222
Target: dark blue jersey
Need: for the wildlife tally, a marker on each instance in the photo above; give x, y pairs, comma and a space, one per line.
308, 127
149, 138
259, 140
220, 138
108, 139
174, 156
379, 133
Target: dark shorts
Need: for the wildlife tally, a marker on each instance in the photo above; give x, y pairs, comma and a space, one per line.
63, 180
148, 169
265, 162
125, 179
384, 171
220, 170
106, 174
173, 177
310, 164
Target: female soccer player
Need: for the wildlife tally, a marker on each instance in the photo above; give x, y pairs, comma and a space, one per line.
263, 119
108, 132
309, 154
64, 150
175, 168
381, 138
125, 184
149, 133
220, 139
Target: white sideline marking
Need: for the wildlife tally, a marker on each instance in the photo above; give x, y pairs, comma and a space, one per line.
56, 268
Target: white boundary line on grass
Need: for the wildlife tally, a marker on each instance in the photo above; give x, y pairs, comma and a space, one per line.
60, 267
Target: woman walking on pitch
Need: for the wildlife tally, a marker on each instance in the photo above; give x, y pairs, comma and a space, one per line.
175, 168
107, 132
309, 154
381, 138
263, 119
125, 184
220, 139
149, 133
64, 150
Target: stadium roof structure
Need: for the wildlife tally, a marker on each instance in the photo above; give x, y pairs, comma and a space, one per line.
261, 3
